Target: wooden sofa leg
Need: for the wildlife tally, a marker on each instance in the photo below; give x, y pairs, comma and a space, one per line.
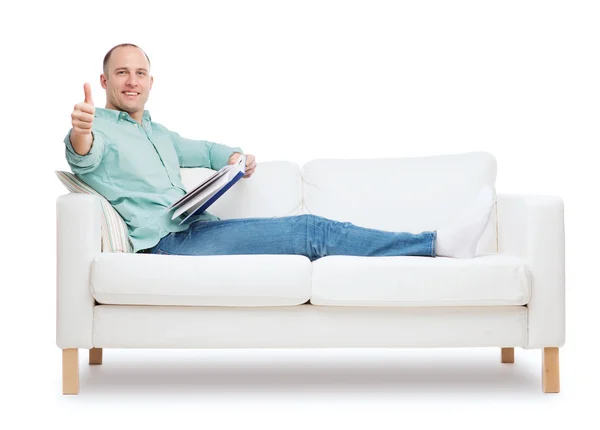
70, 370
95, 356
550, 370
508, 355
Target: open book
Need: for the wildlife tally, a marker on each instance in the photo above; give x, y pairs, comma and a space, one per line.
206, 193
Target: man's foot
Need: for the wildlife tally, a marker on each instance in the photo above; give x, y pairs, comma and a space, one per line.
460, 239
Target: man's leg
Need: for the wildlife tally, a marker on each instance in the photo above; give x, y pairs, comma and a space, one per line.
309, 235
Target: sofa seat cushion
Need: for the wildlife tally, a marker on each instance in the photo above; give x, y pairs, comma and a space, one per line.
488, 280
219, 280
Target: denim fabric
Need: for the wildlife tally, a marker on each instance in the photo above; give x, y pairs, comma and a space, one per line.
309, 235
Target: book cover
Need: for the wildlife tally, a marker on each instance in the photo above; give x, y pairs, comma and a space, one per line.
207, 192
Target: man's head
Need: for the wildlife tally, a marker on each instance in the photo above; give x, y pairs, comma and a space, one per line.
127, 79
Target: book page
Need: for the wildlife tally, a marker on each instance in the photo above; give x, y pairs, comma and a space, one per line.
207, 182
202, 195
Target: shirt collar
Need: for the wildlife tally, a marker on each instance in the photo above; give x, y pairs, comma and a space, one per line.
117, 115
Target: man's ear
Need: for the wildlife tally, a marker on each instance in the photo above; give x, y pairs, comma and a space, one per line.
103, 80
151, 81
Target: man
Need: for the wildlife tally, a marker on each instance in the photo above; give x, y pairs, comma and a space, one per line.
134, 162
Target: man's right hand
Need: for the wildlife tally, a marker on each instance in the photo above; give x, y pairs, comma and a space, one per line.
82, 119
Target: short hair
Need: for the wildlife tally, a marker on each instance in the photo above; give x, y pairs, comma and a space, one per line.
109, 53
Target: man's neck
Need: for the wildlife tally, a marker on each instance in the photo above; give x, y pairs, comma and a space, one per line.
137, 116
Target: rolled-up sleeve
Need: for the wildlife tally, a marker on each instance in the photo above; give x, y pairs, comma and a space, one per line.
88, 162
202, 153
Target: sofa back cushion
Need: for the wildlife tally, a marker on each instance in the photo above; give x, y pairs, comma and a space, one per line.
275, 189
395, 194
400, 194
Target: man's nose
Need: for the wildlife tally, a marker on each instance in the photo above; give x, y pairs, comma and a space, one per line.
132, 81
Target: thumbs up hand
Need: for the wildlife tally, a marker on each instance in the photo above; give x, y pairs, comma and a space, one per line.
83, 114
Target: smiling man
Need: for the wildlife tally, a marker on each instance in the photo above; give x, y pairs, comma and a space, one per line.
135, 164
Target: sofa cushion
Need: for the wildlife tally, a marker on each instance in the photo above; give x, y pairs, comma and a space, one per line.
275, 189
411, 194
214, 280
489, 280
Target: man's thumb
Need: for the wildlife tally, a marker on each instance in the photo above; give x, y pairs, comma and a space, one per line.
88, 93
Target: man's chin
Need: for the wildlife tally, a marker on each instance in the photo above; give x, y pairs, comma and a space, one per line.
131, 108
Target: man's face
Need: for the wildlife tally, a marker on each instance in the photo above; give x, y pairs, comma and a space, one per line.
128, 82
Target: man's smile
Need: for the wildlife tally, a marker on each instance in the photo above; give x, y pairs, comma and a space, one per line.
131, 94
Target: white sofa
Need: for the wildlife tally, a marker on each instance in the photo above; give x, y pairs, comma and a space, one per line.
512, 294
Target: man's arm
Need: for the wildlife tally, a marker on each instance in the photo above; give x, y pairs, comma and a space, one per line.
81, 143
202, 153
84, 145
87, 162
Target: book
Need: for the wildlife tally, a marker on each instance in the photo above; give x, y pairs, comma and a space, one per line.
208, 191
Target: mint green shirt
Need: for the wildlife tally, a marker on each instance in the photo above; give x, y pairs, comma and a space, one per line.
136, 168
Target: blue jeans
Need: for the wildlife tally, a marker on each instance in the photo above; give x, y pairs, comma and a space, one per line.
309, 235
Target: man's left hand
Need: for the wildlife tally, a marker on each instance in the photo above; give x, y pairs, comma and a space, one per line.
250, 163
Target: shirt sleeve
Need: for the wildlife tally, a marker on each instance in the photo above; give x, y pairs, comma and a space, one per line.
88, 162
202, 153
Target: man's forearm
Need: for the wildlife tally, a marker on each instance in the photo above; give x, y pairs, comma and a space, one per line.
82, 143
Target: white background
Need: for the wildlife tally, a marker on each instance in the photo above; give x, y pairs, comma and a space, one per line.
296, 81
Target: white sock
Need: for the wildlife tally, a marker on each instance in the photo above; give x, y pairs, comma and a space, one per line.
460, 239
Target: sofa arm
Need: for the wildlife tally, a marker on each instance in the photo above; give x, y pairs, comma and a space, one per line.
78, 220
532, 228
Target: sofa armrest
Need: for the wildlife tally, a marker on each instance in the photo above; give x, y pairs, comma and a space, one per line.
532, 228
78, 220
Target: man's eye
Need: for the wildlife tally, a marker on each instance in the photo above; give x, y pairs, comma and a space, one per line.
121, 72
141, 73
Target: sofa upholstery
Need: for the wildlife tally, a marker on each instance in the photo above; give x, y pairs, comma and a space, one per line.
512, 294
